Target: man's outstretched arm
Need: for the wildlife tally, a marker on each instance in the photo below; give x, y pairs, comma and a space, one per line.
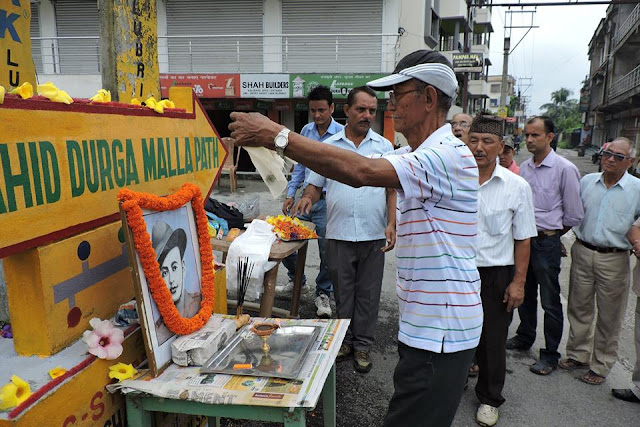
256, 130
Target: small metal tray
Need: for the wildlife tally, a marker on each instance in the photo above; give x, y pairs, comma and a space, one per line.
289, 348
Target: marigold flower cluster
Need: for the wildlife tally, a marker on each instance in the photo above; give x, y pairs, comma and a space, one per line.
287, 228
133, 203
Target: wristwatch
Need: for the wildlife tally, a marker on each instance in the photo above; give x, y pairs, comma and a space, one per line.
281, 141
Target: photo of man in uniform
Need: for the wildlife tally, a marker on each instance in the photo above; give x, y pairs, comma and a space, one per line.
170, 246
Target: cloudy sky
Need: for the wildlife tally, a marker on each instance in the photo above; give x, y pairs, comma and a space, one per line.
554, 55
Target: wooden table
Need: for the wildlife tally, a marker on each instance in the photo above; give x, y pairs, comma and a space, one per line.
182, 390
279, 251
139, 409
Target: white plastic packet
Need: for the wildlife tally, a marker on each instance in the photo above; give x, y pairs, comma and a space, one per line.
198, 347
254, 245
271, 168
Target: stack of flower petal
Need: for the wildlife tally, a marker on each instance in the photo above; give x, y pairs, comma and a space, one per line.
159, 106
49, 90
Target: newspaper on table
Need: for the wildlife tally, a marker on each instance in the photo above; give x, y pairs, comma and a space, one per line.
187, 383
198, 347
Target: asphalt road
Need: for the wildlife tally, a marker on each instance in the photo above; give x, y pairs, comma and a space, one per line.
559, 399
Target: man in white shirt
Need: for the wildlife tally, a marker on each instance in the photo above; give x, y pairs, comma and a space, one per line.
506, 222
361, 226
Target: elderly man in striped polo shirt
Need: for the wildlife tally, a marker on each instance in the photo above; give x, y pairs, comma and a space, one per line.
436, 178
506, 223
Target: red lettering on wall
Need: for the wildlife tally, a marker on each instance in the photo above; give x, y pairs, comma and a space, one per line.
99, 406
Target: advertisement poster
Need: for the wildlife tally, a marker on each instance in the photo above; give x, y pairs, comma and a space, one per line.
340, 84
264, 86
204, 85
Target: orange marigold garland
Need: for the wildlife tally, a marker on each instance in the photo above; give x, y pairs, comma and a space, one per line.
133, 203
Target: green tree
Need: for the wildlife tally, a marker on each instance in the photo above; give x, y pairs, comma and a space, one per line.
564, 111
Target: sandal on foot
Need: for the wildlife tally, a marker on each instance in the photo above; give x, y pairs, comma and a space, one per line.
570, 364
473, 370
542, 367
592, 378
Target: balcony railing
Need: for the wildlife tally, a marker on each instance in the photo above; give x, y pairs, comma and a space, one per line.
448, 43
626, 83
351, 53
627, 25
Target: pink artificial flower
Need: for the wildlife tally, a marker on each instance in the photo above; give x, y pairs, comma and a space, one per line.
105, 341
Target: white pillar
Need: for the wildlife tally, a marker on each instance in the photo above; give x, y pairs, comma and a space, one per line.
49, 48
163, 49
272, 46
390, 24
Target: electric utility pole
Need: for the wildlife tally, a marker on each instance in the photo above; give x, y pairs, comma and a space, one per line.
508, 26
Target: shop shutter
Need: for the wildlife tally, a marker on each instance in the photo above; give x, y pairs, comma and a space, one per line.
332, 53
187, 18
78, 18
36, 45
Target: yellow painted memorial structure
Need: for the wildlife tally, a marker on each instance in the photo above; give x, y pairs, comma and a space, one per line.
62, 244
61, 167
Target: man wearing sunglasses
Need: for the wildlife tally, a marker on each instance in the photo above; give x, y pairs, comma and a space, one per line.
436, 179
555, 183
600, 264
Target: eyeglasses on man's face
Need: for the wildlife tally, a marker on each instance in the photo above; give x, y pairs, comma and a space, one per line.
463, 125
395, 96
619, 157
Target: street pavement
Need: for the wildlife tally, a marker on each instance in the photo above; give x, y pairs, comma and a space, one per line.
559, 399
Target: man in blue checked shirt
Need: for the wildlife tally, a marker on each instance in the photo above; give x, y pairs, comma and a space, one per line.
322, 127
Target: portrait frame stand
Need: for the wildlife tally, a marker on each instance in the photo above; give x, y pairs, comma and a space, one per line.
168, 229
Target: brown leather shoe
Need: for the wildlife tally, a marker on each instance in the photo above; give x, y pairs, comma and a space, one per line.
361, 361
344, 353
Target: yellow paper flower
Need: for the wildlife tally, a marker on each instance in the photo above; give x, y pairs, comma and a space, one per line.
122, 371
154, 105
14, 393
167, 104
135, 101
2, 92
49, 90
25, 90
56, 372
103, 95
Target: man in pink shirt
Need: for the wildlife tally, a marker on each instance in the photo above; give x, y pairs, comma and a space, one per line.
506, 157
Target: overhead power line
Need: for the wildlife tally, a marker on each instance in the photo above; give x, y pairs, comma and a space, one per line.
554, 3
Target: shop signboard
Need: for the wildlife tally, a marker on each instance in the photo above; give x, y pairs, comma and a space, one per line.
263, 105
282, 105
467, 62
65, 172
203, 85
272, 86
243, 105
340, 84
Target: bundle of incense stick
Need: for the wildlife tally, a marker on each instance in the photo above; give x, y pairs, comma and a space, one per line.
244, 270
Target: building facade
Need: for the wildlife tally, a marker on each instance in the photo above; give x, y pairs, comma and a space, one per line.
611, 96
226, 50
